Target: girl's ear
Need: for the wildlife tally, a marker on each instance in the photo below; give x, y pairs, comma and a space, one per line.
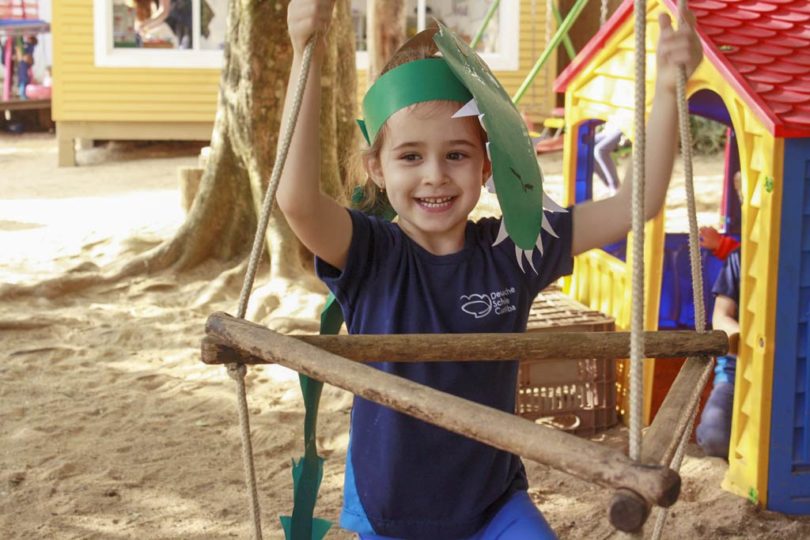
486, 172
374, 170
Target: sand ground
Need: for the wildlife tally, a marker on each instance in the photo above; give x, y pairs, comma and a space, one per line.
111, 427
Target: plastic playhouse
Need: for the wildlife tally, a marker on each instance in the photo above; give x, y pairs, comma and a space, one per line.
19, 28
755, 79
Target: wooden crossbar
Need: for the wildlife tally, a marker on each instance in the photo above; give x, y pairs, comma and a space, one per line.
655, 484
480, 347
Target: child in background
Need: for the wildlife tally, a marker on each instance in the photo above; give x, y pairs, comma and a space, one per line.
721, 245
714, 430
606, 141
434, 271
713, 433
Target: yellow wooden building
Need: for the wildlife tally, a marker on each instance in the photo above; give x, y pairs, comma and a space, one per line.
109, 85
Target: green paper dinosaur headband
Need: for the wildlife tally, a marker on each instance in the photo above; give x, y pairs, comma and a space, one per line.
460, 75
429, 79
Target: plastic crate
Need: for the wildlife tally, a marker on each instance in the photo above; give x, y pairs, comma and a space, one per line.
575, 395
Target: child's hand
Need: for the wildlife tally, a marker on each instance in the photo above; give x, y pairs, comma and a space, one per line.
306, 18
709, 238
676, 48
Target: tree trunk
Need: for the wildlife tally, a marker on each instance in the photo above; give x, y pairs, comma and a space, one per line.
222, 221
386, 32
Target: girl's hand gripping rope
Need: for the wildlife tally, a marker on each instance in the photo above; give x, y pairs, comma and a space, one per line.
306, 18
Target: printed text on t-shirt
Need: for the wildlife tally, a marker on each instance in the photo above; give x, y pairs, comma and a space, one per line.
481, 305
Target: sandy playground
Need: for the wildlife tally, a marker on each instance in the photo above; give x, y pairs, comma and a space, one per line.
111, 427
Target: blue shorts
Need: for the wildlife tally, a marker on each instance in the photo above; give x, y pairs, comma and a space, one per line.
519, 519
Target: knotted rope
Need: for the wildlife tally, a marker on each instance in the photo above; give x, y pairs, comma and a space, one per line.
637, 303
237, 371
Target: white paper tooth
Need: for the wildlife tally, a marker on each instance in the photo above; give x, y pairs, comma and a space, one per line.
519, 255
469, 109
490, 184
539, 243
528, 253
549, 204
547, 227
489, 156
481, 121
502, 235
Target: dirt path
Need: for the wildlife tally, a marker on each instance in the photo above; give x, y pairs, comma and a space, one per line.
111, 427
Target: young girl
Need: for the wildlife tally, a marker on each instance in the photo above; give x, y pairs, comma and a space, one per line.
435, 271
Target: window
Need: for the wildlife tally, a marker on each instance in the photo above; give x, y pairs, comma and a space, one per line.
193, 32
498, 46
160, 33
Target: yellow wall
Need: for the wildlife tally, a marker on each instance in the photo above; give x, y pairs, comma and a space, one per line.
84, 93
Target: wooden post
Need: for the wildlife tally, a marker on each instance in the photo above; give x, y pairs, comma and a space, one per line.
66, 150
664, 434
628, 511
189, 179
579, 457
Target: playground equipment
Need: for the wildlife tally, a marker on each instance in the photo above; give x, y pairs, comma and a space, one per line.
643, 481
756, 80
18, 23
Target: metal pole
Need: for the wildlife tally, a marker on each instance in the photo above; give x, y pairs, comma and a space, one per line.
555, 41
488, 17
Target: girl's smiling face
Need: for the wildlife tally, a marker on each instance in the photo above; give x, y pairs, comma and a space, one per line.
432, 168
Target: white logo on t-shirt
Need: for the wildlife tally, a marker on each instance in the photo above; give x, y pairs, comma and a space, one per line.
481, 305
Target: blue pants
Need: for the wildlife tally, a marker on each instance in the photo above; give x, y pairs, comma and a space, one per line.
519, 519
714, 431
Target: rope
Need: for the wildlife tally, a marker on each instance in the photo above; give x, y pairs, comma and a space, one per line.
275, 176
237, 371
603, 13
694, 259
637, 304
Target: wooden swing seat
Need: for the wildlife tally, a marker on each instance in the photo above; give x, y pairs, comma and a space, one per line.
338, 360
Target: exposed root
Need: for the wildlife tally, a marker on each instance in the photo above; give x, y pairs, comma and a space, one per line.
74, 280
35, 323
220, 288
288, 306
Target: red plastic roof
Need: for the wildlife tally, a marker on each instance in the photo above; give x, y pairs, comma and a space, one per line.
761, 47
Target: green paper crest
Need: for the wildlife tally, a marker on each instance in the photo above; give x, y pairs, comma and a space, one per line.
517, 176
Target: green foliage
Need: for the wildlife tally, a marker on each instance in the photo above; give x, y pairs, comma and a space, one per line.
708, 136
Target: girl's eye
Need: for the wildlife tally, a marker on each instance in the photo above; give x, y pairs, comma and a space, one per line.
455, 156
409, 157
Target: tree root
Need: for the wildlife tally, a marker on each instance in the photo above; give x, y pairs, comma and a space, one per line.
217, 289
150, 262
287, 306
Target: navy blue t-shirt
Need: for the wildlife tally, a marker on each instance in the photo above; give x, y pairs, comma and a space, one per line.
728, 280
406, 478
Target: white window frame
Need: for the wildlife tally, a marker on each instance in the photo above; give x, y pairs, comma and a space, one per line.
508, 57
108, 56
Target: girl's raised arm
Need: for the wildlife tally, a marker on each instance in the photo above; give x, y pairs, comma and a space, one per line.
597, 223
321, 224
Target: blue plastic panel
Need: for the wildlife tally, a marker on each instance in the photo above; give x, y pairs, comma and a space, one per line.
789, 453
677, 311
584, 180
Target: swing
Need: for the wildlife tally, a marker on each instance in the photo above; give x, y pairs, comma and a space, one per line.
641, 480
